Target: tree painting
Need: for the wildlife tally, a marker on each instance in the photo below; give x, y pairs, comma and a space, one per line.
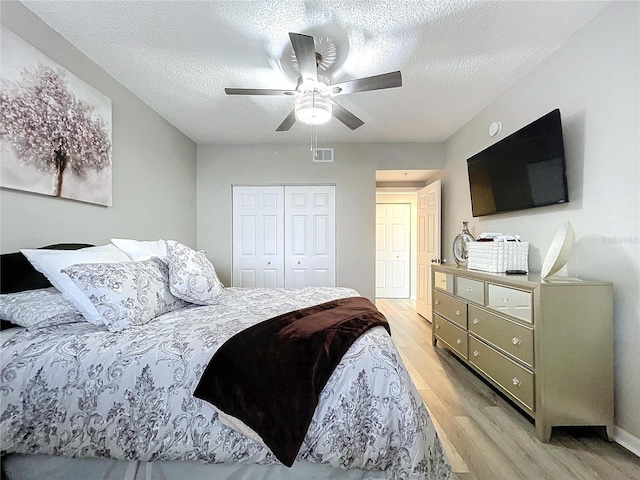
53, 130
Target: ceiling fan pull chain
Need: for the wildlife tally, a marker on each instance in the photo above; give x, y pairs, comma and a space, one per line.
314, 141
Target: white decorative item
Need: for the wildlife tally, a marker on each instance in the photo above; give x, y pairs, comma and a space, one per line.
495, 128
559, 250
499, 256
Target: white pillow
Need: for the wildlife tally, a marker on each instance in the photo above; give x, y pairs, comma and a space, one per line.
128, 293
33, 309
141, 250
192, 276
51, 262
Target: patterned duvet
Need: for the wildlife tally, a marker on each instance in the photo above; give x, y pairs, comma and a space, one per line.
81, 391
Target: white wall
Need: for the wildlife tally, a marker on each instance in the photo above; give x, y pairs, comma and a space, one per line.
353, 173
594, 80
154, 166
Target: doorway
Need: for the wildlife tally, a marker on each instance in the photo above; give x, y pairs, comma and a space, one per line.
425, 233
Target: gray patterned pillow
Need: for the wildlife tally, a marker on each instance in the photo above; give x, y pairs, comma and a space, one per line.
38, 308
128, 293
192, 276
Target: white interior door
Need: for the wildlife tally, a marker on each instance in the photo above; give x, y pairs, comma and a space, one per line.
429, 243
310, 231
258, 237
393, 247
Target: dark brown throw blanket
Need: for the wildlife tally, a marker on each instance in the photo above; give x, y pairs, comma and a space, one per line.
270, 375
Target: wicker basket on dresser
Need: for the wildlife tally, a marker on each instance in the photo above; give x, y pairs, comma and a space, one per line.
545, 344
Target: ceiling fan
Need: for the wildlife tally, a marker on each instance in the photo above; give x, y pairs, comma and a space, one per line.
314, 93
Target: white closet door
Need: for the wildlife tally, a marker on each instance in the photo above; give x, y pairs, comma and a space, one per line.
310, 227
258, 237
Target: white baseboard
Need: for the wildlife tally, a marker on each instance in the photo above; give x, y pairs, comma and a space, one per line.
627, 440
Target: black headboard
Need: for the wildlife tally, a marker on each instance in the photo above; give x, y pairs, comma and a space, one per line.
17, 274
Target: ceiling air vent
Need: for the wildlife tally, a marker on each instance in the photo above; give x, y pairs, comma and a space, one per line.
323, 155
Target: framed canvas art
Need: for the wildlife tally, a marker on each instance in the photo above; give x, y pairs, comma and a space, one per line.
55, 129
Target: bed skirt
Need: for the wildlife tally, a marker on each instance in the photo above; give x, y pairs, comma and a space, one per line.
38, 467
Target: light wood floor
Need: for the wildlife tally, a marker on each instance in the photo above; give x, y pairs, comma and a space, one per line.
486, 437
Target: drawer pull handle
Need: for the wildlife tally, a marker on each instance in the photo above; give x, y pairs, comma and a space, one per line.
469, 289
476, 321
268, 263
459, 341
437, 302
506, 299
516, 341
476, 353
516, 382
458, 312
437, 327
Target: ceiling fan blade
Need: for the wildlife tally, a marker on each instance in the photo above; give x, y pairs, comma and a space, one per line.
376, 82
305, 50
288, 122
258, 91
345, 116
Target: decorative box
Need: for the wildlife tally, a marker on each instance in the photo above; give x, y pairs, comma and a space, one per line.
498, 256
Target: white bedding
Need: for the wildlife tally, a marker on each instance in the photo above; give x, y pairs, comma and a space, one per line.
79, 390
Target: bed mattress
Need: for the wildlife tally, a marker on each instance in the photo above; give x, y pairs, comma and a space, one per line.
77, 390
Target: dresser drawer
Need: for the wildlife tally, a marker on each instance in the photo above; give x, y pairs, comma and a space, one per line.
443, 281
472, 290
451, 308
510, 376
510, 301
454, 337
509, 336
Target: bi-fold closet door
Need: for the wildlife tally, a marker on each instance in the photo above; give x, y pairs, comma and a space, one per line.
284, 236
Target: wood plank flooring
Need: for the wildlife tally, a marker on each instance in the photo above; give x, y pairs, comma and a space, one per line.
485, 436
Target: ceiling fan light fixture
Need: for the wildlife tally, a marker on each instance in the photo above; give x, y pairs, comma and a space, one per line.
313, 108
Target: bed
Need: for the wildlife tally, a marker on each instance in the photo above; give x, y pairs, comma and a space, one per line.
80, 401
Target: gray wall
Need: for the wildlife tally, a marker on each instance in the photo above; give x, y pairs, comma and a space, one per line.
594, 80
154, 166
353, 172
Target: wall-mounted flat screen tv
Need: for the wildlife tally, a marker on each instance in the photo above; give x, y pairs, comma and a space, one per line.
524, 170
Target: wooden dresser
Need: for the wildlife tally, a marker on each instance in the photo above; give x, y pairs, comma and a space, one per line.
545, 344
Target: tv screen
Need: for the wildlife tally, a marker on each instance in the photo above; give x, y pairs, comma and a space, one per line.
524, 170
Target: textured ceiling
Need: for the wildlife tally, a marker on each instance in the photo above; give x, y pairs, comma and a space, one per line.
456, 57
